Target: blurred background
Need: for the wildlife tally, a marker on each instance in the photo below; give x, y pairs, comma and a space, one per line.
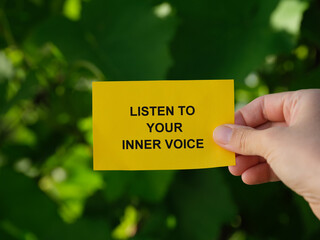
51, 51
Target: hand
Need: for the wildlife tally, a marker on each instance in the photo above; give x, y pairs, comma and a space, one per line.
277, 137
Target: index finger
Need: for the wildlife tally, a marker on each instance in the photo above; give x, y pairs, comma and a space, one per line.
273, 107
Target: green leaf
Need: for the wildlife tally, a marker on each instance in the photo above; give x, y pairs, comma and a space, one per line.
224, 39
202, 203
24, 205
310, 24
84, 229
310, 221
117, 184
124, 38
24, 208
150, 186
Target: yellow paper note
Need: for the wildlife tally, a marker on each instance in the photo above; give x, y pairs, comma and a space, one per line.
157, 125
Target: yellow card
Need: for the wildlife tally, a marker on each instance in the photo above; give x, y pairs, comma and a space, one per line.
157, 125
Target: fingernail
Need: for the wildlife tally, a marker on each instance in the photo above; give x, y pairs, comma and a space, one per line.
222, 134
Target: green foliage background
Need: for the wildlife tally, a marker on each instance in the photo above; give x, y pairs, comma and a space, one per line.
51, 51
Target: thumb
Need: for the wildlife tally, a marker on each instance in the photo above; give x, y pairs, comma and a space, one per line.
241, 139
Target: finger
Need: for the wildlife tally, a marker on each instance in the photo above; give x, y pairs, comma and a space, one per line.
271, 124
260, 173
243, 140
243, 163
273, 107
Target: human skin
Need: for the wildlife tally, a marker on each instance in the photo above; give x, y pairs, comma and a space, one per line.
277, 137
